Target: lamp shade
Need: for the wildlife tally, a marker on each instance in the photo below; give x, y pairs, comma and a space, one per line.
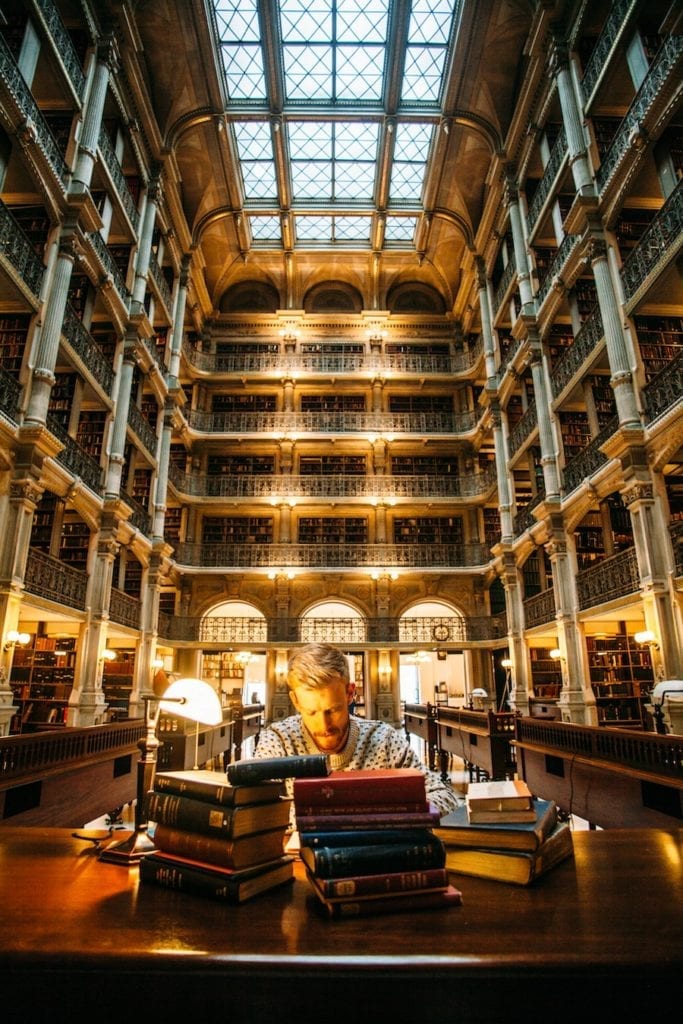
193, 699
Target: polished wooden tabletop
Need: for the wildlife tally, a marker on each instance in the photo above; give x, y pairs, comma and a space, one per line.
610, 917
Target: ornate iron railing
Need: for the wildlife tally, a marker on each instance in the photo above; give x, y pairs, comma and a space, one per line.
524, 520
332, 486
332, 422
124, 609
612, 29
585, 344
117, 176
34, 122
138, 423
611, 578
140, 517
664, 64
567, 246
84, 346
676, 530
63, 47
109, 266
587, 462
160, 283
552, 168
523, 428
16, 248
503, 285
10, 393
658, 246
346, 556
75, 458
539, 608
52, 578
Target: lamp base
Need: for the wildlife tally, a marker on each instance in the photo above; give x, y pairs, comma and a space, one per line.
128, 851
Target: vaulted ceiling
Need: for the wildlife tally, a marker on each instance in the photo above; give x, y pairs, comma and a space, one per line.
333, 140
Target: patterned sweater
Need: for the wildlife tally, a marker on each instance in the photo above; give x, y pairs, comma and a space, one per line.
370, 744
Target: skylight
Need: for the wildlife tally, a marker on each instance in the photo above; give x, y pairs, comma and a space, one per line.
340, 125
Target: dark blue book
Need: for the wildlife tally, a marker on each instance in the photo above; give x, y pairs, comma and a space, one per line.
364, 838
376, 858
455, 829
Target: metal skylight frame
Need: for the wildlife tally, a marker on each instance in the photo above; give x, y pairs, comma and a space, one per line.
352, 86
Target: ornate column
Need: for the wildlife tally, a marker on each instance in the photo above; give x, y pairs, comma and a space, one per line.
551, 476
521, 259
161, 490
179, 322
504, 500
621, 378
107, 60
145, 245
43, 376
571, 119
521, 687
486, 319
118, 439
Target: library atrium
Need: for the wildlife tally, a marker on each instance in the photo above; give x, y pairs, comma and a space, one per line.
356, 321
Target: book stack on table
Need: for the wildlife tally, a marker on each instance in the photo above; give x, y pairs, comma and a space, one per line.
503, 832
367, 842
214, 838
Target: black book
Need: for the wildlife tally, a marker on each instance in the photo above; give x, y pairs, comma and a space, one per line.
415, 853
247, 772
216, 883
184, 812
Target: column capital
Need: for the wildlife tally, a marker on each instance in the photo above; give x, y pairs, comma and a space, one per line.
558, 57
596, 249
108, 52
636, 492
480, 271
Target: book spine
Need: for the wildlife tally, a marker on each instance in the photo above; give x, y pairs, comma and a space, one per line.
334, 822
404, 807
224, 795
243, 773
347, 861
195, 845
348, 790
364, 837
391, 882
450, 897
186, 879
184, 812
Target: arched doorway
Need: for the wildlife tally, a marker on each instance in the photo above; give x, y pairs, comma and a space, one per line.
238, 675
435, 672
339, 623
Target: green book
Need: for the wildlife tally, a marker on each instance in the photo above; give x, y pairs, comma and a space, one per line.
455, 829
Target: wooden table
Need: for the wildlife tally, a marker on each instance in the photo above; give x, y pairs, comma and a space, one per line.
82, 940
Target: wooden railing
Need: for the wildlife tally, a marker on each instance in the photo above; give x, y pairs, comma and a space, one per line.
33, 754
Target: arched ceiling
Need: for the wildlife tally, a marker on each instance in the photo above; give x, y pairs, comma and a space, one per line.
333, 139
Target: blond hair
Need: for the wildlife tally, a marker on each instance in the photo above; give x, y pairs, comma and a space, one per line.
317, 665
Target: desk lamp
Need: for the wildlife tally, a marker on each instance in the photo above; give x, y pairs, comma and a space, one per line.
189, 698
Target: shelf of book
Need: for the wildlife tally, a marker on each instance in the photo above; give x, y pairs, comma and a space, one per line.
237, 530
117, 683
428, 530
621, 676
41, 679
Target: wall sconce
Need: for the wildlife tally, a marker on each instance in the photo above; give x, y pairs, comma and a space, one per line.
157, 663
506, 663
647, 638
556, 654
15, 637
190, 698
108, 655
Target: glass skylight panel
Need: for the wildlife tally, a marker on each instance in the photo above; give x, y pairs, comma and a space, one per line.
314, 229
428, 36
352, 229
333, 160
410, 159
399, 229
330, 230
255, 150
240, 39
266, 229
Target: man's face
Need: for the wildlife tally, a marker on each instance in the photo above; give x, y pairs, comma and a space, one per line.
325, 713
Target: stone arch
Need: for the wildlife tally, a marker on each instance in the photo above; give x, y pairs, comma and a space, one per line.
415, 297
250, 297
435, 621
349, 625
233, 622
333, 297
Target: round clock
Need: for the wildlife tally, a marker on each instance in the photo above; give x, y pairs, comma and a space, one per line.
441, 632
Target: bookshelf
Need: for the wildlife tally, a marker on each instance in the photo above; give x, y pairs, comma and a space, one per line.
244, 403
431, 348
421, 403
45, 523
660, 339
332, 465
90, 432
424, 465
13, 334
237, 530
239, 465
560, 337
428, 530
41, 679
491, 517
142, 485
590, 542
332, 530
74, 543
333, 403
62, 398
546, 674
603, 398
117, 683
239, 348
621, 677
575, 431
173, 518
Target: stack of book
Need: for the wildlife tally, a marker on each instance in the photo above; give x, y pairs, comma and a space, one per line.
367, 842
503, 832
214, 838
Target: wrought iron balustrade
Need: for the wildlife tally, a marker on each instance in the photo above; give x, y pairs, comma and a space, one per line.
611, 578
613, 27
17, 249
124, 609
144, 430
87, 349
111, 162
552, 168
108, 264
660, 244
503, 285
588, 461
585, 344
10, 393
64, 49
160, 283
523, 428
332, 421
53, 579
328, 555
75, 458
539, 608
524, 520
557, 264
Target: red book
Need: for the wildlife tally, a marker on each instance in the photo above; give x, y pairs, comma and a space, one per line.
396, 903
366, 819
363, 787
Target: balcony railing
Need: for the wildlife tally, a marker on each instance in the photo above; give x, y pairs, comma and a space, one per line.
124, 609
63, 47
665, 62
612, 578
283, 423
139, 424
332, 486
677, 542
503, 285
657, 247
444, 629
539, 608
140, 517
34, 122
160, 283
584, 345
333, 362
118, 179
51, 578
665, 390
86, 348
16, 248
567, 246
587, 462
75, 458
328, 555
109, 266
524, 520
10, 393
611, 30
33, 755
523, 428
552, 168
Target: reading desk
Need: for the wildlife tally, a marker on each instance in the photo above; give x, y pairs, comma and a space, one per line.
81, 940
